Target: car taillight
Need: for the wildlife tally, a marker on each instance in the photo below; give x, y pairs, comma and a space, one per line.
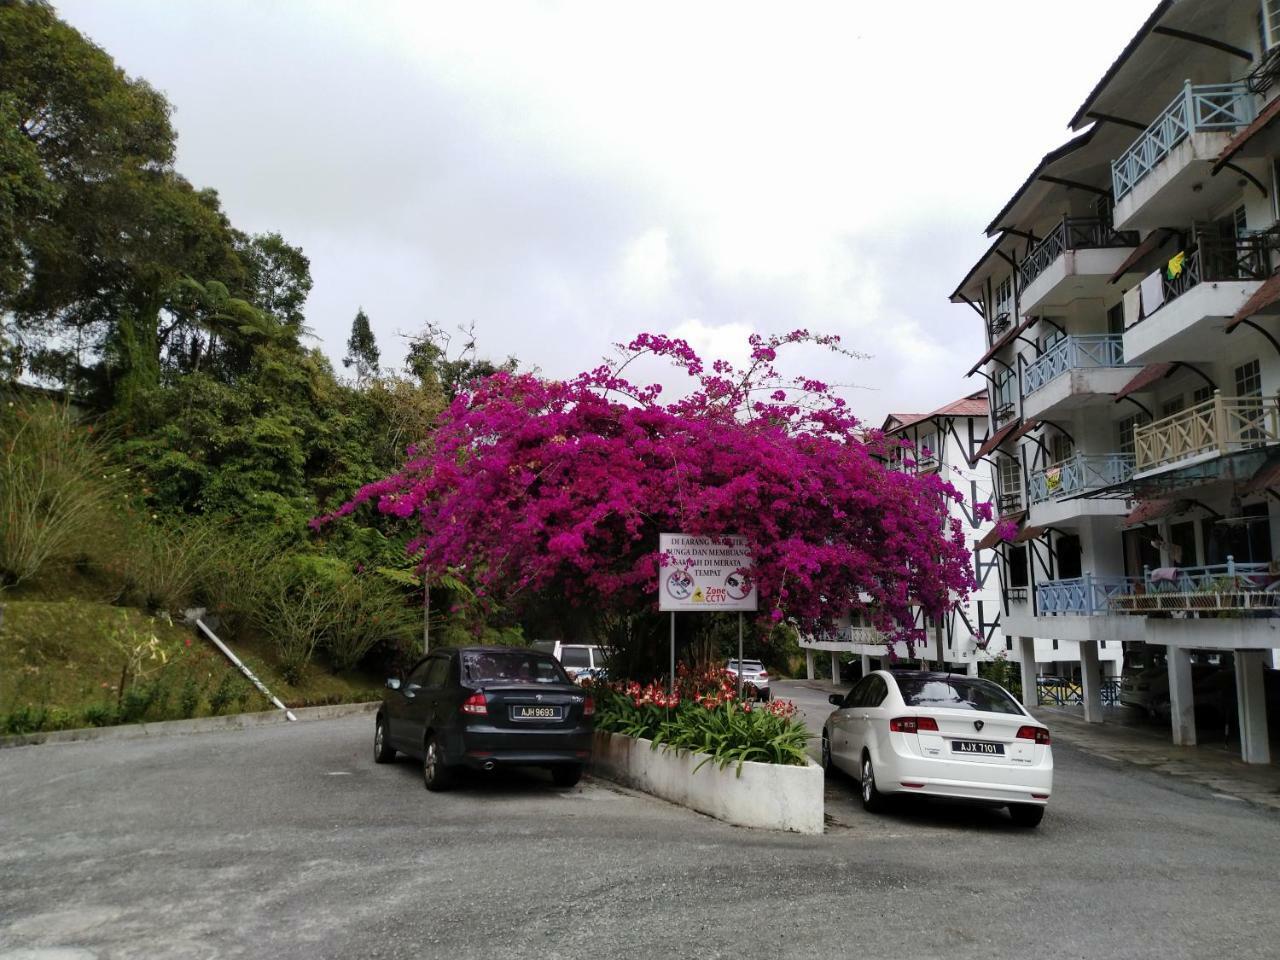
589, 707
1038, 734
913, 724
475, 705
764, 674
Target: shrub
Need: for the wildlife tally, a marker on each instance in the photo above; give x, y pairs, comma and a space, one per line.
703, 716
167, 564
100, 715
222, 694
56, 488
26, 719
369, 610
189, 697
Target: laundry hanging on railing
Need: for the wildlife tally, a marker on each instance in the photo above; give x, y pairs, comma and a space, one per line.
1152, 292
1053, 478
1173, 269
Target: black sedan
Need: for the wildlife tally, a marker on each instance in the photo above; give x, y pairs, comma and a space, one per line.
485, 707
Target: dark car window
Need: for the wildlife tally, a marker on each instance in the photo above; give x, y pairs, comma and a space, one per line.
875, 692
956, 693
575, 656
851, 700
438, 675
510, 666
418, 675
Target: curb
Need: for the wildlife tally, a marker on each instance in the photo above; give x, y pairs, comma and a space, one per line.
163, 728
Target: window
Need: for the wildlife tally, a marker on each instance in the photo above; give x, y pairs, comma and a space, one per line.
1006, 394
955, 693
851, 698
1115, 319
1268, 24
1051, 338
437, 673
1010, 484
575, 656
927, 448
418, 675
875, 692
1068, 552
521, 667
1249, 377
1125, 430
1018, 566
1201, 395
1182, 544
1170, 407
1061, 448
1003, 299
1240, 222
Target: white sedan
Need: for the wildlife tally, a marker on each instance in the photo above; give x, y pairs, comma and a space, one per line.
941, 735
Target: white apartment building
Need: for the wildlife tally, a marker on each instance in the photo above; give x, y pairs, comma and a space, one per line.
1133, 365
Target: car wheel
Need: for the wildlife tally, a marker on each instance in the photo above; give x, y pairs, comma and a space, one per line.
1026, 814
383, 751
566, 776
436, 775
873, 801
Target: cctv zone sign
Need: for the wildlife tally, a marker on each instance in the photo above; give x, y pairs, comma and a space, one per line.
705, 574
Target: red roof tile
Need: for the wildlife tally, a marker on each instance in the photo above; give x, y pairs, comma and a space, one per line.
994, 441
1145, 378
995, 347
1149, 511
1263, 297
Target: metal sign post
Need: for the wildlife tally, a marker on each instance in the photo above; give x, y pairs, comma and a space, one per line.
705, 575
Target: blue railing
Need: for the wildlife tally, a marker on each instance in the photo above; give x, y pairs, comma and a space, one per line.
1073, 233
1080, 473
1214, 106
1086, 596
1092, 350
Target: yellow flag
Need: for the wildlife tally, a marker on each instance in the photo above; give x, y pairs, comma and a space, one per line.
1175, 265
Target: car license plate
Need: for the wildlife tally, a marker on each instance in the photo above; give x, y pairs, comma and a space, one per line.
980, 747
535, 713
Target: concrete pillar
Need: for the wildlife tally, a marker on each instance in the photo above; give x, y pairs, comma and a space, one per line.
1251, 695
1091, 680
1182, 710
971, 668
835, 667
866, 664
808, 665
1027, 654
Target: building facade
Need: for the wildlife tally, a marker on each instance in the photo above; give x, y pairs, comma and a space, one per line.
1130, 304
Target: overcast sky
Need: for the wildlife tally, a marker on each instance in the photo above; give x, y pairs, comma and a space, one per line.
566, 175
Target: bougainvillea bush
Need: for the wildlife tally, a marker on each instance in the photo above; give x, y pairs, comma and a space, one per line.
703, 715
542, 488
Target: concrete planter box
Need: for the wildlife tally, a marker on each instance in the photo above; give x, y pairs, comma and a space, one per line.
767, 795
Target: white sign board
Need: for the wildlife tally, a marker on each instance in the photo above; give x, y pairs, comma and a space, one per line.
704, 574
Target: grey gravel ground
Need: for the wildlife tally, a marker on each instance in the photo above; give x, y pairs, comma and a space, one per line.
288, 841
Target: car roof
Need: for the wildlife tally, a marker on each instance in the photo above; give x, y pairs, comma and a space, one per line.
928, 675
489, 648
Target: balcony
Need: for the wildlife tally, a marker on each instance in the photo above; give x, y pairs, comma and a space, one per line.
1075, 260
1229, 587
1057, 493
1087, 596
1216, 278
1218, 426
1175, 151
1071, 372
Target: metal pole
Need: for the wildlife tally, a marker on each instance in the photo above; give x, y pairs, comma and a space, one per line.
262, 688
671, 689
740, 667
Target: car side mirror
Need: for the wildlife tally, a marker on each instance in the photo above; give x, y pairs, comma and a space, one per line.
836, 698
393, 683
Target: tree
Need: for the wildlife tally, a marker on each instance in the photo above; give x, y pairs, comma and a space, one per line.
559, 489
362, 349
429, 361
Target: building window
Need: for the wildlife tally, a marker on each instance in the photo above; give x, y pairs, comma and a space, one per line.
1240, 221
1010, 474
1171, 407
1201, 395
1055, 643
1003, 301
927, 449
1268, 24
1115, 319
1006, 395
1052, 338
1008, 643
1249, 377
1125, 429
1018, 575
1061, 448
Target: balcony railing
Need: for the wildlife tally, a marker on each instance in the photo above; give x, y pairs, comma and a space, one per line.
1073, 233
1087, 596
1080, 473
1207, 107
999, 324
1216, 259
1226, 586
1221, 424
865, 635
1093, 350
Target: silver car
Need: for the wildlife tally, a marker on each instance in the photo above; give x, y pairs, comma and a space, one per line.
754, 673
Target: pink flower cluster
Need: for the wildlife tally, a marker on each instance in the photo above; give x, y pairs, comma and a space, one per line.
560, 488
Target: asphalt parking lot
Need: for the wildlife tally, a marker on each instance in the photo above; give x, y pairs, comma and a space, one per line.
287, 841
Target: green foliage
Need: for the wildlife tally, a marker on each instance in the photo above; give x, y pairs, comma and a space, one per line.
1003, 671
362, 348
56, 488
168, 564
429, 360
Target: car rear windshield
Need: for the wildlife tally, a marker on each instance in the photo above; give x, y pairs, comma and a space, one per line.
480, 666
575, 656
746, 665
956, 694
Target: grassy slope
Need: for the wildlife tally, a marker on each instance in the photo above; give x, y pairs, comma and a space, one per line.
58, 662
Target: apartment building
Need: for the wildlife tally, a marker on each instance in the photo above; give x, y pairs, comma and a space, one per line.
1130, 303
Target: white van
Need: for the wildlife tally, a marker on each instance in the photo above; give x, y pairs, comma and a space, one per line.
574, 657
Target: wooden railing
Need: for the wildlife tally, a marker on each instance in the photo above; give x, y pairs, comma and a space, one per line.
1079, 473
1073, 233
1207, 107
1221, 424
